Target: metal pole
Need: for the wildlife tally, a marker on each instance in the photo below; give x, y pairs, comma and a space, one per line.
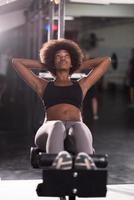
35, 36
28, 24
40, 26
61, 21
51, 13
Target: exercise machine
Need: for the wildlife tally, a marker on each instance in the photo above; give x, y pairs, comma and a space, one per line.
73, 182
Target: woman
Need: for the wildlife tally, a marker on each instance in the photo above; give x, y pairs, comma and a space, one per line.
62, 97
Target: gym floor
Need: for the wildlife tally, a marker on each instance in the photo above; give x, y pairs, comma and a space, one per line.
113, 134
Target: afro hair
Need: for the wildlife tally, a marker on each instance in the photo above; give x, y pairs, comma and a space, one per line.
49, 49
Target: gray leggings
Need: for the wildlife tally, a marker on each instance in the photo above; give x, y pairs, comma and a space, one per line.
51, 135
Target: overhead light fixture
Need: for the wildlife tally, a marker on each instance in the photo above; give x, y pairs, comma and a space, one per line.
91, 1
122, 1
56, 1
66, 18
4, 2
104, 1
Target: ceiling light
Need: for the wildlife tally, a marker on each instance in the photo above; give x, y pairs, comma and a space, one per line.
104, 1
4, 2
65, 17
91, 1
56, 1
122, 1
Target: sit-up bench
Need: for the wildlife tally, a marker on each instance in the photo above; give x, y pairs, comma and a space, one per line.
71, 183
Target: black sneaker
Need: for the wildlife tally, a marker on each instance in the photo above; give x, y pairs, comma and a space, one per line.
63, 161
84, 161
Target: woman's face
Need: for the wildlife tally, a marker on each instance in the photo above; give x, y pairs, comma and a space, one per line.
62, 60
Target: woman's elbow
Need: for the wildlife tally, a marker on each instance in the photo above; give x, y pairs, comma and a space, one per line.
108, 60
13, 61
106, 63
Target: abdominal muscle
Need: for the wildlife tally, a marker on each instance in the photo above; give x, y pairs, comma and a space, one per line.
64, 112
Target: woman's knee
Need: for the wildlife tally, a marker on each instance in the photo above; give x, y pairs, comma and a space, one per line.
56, 137
80, 127
48, 128
50, 133
83, 137
57, 129
58, 126
83, 131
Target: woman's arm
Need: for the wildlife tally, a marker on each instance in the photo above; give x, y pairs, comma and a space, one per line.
24, 68
98, 67
29, 63
91, 63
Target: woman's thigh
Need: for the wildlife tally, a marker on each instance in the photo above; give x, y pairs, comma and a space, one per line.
82, 137
49, 132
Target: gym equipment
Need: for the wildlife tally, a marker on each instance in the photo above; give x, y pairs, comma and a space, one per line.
71, 183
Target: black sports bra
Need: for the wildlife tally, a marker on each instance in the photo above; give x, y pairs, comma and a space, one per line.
71, 94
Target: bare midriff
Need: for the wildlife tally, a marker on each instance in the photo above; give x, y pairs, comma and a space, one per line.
64, 112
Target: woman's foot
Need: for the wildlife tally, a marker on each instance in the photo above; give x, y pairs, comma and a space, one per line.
63, 161
84, 161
